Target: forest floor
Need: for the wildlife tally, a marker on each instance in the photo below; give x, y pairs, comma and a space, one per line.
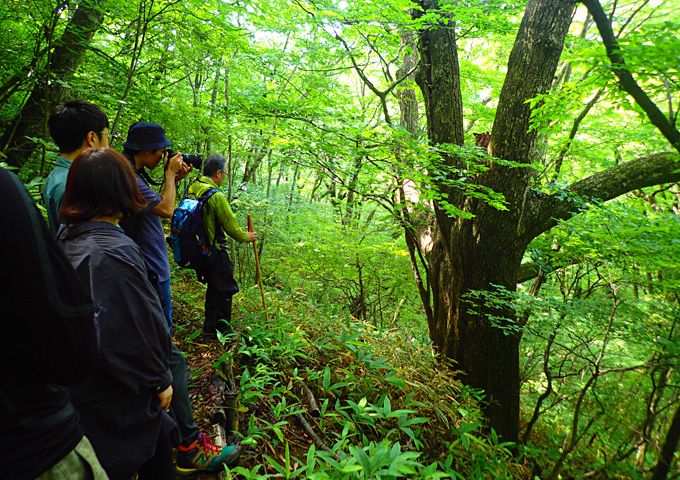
380, 394
201, 356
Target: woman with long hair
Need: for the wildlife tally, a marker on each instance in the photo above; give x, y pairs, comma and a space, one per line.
122, 405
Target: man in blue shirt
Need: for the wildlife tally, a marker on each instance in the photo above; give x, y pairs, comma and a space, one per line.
144, 147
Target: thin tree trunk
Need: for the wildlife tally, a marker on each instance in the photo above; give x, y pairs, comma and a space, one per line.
227, 119
414, 222
213, 108
292, 189
317, 184
269, 172
652, 413
140, 37
280, 175
255, 157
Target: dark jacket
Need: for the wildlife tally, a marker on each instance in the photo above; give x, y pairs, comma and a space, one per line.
48, 337
119, 407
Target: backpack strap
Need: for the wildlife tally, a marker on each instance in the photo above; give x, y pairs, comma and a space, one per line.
29, 422
186, 188
203, 199
208, 193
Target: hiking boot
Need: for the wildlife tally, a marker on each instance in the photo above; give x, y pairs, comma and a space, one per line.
202, 456
225, 329
209, 337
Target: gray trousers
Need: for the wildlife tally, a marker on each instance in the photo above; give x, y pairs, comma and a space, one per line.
80, 464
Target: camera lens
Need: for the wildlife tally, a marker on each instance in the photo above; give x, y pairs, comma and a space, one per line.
193, 159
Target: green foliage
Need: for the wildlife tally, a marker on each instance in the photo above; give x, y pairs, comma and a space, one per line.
384, 409
602, 331
271, 86
359, 267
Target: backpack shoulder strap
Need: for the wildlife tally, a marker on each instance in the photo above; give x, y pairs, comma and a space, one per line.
203, 199
186, 190
207, 194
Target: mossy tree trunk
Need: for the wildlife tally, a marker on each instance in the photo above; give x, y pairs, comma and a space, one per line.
50, 89
482, 254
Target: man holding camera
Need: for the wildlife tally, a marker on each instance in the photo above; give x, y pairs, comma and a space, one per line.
145, 147
218, 222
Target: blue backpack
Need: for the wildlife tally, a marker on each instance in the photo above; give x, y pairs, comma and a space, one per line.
187, 238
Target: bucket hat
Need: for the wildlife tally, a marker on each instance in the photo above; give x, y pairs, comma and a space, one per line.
146, 136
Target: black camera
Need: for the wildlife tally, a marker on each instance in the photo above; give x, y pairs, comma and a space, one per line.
193, 159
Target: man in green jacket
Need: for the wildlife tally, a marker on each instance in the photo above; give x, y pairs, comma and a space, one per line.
218, 222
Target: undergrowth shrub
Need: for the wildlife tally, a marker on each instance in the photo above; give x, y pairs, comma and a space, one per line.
387, 408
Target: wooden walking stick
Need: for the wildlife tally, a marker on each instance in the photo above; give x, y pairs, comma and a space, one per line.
257, 264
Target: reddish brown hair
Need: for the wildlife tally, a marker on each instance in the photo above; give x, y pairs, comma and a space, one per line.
101, 182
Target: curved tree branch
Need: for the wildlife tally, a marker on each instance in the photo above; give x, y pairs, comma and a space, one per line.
626, 80
382, 95
642, 172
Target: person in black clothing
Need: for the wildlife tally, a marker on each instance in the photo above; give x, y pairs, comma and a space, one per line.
48, 339
123, 404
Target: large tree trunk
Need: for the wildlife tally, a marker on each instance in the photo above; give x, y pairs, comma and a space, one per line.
483, 253
473, 258
670, 446
47, 93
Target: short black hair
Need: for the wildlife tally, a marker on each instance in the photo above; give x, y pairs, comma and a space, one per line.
70, 123
100, 182
212, 164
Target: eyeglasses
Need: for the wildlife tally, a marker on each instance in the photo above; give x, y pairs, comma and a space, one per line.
112, 137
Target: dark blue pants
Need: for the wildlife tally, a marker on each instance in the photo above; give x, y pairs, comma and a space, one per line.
166, 302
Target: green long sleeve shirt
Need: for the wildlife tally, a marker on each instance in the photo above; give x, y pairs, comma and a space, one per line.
217, 212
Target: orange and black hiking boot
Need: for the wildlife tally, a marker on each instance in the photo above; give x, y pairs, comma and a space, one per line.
202, 456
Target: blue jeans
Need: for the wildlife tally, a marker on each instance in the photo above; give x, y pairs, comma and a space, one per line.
166, 301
